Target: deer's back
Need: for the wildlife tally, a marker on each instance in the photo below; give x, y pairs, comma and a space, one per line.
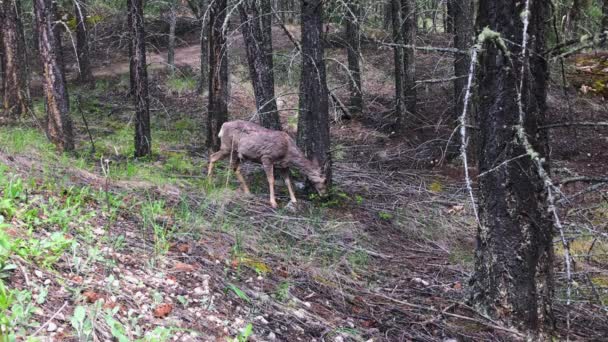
254, 142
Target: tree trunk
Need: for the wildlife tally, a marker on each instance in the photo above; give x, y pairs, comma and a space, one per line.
218, 74
462, 14
85, 73
257, 33
58, 35
400, 111
409, 28
605, 16
171, 47
131, 48
16, 97
513, 278
203, 17
59, 123
449, 16
313, 121
143, 138
387, 15
353, 27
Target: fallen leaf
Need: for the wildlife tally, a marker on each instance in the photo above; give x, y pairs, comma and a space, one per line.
163, 310
456, 209
91, 296
183, 247
182, 267
110, 305
457, 286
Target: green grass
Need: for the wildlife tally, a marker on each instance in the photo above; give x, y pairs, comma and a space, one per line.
181, 84
17, 140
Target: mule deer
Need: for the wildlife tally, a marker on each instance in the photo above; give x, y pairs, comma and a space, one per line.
244, 140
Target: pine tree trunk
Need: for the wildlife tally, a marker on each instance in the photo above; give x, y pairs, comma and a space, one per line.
131, 48
143, 138
449, 16
572, 19
171, 47
58, 29
313, 121
605, 16
256, 27
409, 28
16, 99
59, 123
513, 278
400, 110
218, 74
204, 41
353, 27
85, 74
462, 14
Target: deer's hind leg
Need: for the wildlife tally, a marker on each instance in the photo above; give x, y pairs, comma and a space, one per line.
269, 169
236, 167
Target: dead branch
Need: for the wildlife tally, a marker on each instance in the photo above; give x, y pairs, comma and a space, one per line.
573, 124
584, 179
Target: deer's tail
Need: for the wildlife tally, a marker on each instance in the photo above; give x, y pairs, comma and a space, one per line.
221, 133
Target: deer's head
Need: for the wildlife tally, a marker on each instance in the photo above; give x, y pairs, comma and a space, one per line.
317, 178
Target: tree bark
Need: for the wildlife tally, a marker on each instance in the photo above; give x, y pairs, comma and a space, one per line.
143, 138
313, 121
130, 36
605, 16
513, 278
353, 28
400, 110
449, 16
59, 123
85, 72
203, 17
218, 74
171, 47
462, 14
409, 28
16, 96
257, 33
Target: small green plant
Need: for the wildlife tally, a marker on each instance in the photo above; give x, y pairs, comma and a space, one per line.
239, 293
385, 216
282, 291
82, 324
116, 328
44, 252
244, 335
154, 216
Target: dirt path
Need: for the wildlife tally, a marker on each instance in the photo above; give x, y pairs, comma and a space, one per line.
189, 56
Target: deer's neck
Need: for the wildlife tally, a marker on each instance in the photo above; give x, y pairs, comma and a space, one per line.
299, 161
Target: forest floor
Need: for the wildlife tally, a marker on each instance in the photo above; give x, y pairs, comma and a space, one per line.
99, 245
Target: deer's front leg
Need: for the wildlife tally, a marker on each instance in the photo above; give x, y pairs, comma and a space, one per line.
287, 178
269, 169
212, 159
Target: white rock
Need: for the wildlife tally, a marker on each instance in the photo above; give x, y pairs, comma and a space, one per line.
51, 327
261, 319
47, 282
39, 274
272, 336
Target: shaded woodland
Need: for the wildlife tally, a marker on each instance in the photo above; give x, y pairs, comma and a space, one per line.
449, 160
